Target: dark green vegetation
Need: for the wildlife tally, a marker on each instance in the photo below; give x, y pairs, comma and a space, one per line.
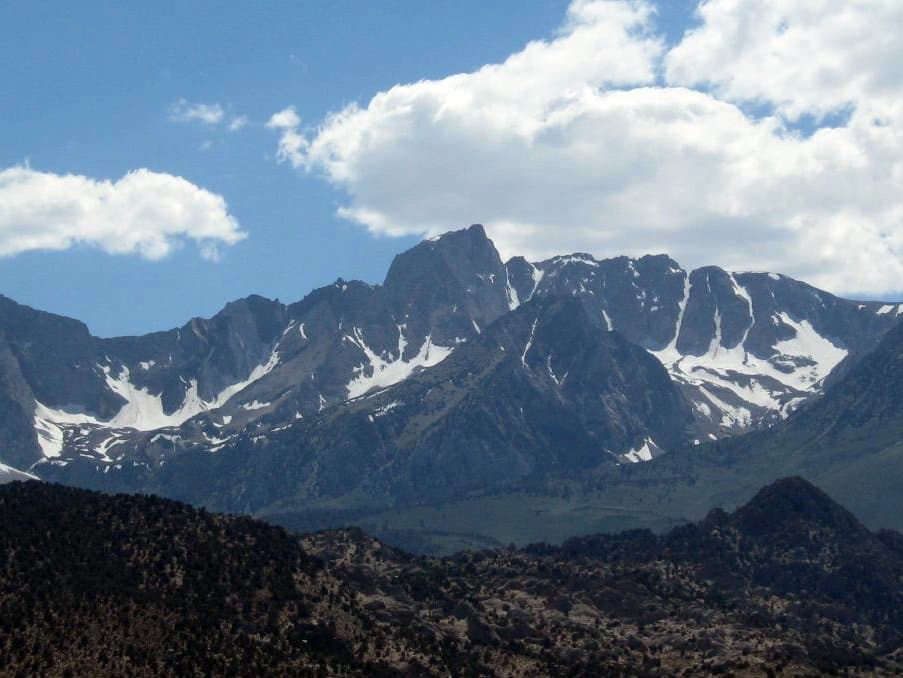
94, 584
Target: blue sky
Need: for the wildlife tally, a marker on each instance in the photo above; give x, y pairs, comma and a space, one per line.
87, 88
90, 88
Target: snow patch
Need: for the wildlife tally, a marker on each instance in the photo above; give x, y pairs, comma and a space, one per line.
170, 437
537, 274
608, 324
217, 443
558, 382
107, 444
646, 452
576, 259
8, 474
142, 410
730, 415
513, 301
798, 365
50, 436
778, 383
742, 292
379, 372
809, 346
791, 406
523, 357
385, 409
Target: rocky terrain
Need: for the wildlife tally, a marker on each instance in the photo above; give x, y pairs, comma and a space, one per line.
790, 584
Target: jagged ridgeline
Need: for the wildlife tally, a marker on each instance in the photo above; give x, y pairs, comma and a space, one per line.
93, 584
460, 374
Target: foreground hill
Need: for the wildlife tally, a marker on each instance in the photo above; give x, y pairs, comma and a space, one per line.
94, 584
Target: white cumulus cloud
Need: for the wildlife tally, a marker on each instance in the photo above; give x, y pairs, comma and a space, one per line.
144, 212
810, 57
604, 139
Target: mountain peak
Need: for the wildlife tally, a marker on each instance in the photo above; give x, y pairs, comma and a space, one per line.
460, 253
460, 270
472, 239
790, 503
476, 229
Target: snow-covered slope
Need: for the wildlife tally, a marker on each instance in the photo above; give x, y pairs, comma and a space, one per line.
141, 410
378, 371
732, 388
745, 348
8, 474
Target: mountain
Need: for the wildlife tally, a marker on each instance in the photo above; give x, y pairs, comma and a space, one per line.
256, 358
56, 375
790, 584
850, 441
460, 374
539, 390
746, 348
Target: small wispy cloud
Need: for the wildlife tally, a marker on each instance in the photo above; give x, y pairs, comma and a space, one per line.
237, 123
212, 115
186, 111
292, 143
287, 118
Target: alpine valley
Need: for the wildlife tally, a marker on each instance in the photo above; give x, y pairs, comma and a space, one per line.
468, 401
